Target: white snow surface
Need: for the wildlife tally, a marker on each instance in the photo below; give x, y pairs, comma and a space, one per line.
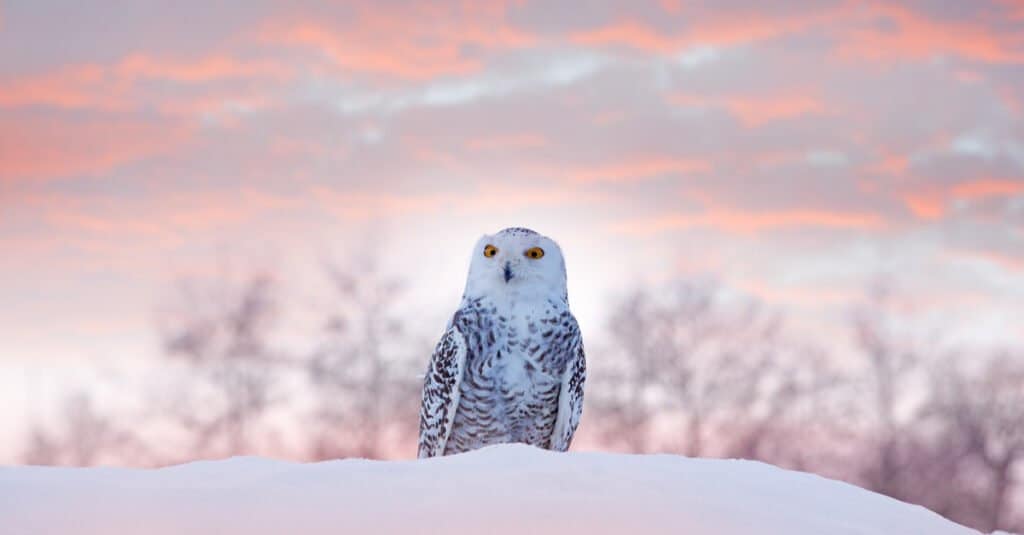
499, 489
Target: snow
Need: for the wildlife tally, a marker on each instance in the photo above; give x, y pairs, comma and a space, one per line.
500, 489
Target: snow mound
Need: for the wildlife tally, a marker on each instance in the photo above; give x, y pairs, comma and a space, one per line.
501, 489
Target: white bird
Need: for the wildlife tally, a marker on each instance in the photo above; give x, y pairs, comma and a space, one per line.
510, 365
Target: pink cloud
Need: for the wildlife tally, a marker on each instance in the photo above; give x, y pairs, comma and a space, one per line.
633, 169
915, 36
43, 147
203, 69
1000, 259
727, 27
507, 141
73, 86
629, 33
925, 205
988, 187
747, 222
151, 158
931, 202
756, 110
115, 87
405, 42
912, 35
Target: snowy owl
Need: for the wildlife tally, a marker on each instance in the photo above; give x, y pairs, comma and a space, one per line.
510, 365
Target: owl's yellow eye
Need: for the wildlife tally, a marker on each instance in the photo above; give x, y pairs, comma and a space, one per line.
490, 250
534, 253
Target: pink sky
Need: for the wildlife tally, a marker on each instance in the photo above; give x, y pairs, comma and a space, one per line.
792, 153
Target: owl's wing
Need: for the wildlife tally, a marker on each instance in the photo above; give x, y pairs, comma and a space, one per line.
441, 392
570, 397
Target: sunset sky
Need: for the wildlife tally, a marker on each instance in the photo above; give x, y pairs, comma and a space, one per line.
794, 154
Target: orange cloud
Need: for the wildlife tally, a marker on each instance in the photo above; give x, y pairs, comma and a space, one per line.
41, 148
977, 189
917, 37
751, 222
925, 205
754, 111
398, 60
892, 164
204, 69
630, 33
406, 42
671, 6
115, 87
634, 169
728, 28
507, 141
74, 86
1014, 7
931, 203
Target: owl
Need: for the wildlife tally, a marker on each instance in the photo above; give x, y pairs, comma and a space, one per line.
510, 365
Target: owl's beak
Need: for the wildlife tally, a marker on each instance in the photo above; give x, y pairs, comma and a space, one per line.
508, 272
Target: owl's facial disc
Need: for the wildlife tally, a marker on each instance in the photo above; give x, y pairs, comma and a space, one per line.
516, 262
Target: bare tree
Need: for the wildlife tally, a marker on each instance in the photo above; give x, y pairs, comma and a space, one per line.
365, 368
629, 401
220, 332
690, 367
982, 414
84, 437
936, 431
698, 371
890, 364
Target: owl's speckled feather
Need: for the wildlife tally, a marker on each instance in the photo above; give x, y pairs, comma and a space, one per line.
510, 366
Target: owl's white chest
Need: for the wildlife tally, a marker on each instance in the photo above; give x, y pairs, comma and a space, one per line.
515, 361
509, 390
522, 368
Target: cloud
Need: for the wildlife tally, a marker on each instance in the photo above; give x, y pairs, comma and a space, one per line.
988, 187
36, 146
762, 135
74, 86
404, 41
745, 222
728, 26
931, 202
885, 32
507, 141
203, 69
1002, 260
116, 87
634, 169
755, 110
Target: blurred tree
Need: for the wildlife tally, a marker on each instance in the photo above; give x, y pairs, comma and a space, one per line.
890, 366
220, 331
84, 437
690, 368
365, 369
694, 370
982, 412
937, 431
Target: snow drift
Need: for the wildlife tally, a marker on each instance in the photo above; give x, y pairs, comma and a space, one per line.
501, 489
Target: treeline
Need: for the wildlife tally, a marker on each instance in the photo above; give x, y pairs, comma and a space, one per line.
688, 368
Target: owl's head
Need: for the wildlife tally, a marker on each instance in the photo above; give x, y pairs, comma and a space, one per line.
517, 261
